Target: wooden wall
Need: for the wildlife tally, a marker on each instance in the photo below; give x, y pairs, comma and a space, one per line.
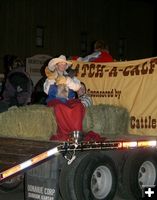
71, 26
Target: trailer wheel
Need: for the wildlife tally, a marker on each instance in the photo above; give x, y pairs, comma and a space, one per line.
139, 170
91, 176
95, 178
66, 178
11, 184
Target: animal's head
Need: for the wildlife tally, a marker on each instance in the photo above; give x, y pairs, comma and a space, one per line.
72, 72
62, 91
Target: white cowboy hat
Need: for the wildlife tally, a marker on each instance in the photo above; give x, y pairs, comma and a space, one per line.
53, 62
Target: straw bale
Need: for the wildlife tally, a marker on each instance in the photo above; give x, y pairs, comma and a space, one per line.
30, 122
38, 121
107, 120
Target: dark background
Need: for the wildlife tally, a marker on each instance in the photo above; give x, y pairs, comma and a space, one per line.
70, 27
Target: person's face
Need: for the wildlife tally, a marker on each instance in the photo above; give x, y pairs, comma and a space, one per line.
81, 91
61, 66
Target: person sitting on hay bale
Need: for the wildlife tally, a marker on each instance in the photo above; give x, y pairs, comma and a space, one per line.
61, 89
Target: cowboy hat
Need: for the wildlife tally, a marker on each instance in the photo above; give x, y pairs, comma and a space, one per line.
53, 62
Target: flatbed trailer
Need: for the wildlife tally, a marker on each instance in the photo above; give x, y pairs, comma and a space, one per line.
18, 154
119, 161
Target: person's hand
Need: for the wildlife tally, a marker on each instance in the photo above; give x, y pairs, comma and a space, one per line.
61, 80
51, 75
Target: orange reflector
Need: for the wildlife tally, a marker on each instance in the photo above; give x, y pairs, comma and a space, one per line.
129, 144
147, 143
120, 145
39, 158
28, 163
11, 171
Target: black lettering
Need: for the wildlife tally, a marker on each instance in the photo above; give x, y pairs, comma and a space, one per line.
152, 66
132, 122
91, 70
126, 71
135, 71
99, 72
85, 67
144, 69
113, 72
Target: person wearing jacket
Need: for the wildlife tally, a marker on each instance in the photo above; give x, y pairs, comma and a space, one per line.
18, 87
61, 88
100, 54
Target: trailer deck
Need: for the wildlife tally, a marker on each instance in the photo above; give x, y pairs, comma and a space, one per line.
18, 154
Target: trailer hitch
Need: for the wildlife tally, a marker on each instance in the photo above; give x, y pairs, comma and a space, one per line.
76, 138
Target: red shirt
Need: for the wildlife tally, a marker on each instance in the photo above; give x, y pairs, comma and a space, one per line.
103, 57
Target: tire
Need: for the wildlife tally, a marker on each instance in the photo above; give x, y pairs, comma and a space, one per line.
95, 178
11, 184
59, 197
66, 178
140, 169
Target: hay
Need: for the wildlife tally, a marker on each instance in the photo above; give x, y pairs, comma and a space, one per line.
38, 121
107, 120
29, 122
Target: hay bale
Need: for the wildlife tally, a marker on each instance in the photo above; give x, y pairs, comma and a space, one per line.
107, 120
29, 122
38, 121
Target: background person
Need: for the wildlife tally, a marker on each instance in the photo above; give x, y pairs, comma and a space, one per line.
100, 54
18, 87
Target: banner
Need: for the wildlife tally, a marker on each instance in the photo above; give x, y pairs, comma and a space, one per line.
131, 84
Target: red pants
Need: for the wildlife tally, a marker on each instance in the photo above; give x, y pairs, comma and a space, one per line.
69, 117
